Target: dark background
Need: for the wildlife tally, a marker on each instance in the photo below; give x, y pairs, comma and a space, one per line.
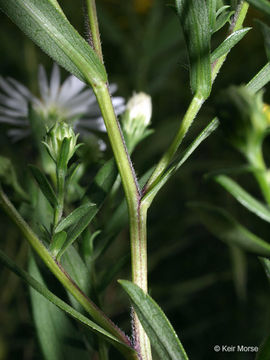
191, 273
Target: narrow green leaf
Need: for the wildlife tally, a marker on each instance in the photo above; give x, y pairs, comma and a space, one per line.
48, 28
236, 170
76, 268
60, 303
44, 185
54, 328
96, 193
228, 44
57, 242
194, 19
266, 265
75, 231
57, 6
180, 160
265, 29
223, 18
244, 197
212, 6
157, 326
102, 183
74, 217
62, 161
260, 79
262, 5
227, 229
239, 271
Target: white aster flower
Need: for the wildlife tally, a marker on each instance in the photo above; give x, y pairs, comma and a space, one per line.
71, 102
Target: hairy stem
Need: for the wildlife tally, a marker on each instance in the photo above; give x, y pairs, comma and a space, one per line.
121, 155
138, 233
137, 215
94, 28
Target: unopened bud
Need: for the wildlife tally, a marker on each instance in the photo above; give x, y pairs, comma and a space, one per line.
55, 138
137, 118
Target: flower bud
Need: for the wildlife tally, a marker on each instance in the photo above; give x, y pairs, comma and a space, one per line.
137, 118
243, 119
55, 139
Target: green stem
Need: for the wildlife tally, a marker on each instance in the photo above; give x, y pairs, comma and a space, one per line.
164, 162
94, 28
137, 215
262, 175
122, 157
138, 233
59, 272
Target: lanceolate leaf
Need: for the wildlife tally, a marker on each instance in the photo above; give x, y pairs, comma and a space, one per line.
103, 182
73, 217
260, 79
75, 231
96, 193
157, 326
244, 198
265, 29
228, 44
227, 229
61, 304
181, 159
76, 268
223, 17
212, 6
44, 185
57, 6
194, 19
57, 242
47, 26
54, 328
266, 265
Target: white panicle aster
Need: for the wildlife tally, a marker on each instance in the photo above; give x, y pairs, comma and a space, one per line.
71, 102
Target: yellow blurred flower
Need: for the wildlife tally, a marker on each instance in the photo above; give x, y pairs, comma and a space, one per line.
142, 6
266, 110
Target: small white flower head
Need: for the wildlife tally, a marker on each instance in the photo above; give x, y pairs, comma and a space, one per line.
137, 118
139, 106
55, 138
70, 101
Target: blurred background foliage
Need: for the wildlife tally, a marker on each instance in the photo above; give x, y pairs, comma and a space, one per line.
211, 293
